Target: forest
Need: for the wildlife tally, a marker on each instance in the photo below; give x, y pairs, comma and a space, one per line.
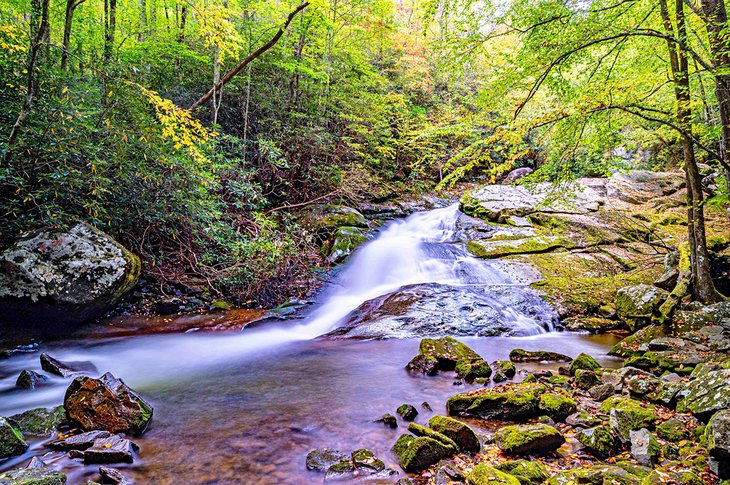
243, 207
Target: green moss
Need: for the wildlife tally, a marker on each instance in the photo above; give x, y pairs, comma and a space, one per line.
450, 354
490, 248
33, 476
39, 421
584, 362
672, 430
595, 475
505, 402
11, 441
417, 454
599, 441
483, 474
531, 438
419, 430
557, 406
464, 437
557, 380
527, 472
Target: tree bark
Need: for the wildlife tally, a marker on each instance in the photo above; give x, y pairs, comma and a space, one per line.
110, 27
71, 6
248, 59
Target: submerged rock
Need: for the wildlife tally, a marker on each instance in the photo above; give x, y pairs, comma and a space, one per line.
528, 438
55, 278
446, 354
514, 402
113, 476
78, 442
388, 419
11, 441
106, 403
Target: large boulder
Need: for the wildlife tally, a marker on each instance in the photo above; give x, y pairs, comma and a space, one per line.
417, 454
106, 404
11, 441
483, 474
599, 441
706, 395
464, 437
59, 277
33, 476
717, 437
635, 305
38, 421
514, 402
628, 415
528, 438
447, 353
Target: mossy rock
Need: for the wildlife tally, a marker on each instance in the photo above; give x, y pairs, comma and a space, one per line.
599, 441
673, 430
420, 430
521, 355
323, 458
585, 379
527, 472
448, 354
342, 243
635, 305
11, 440
717, 442
679, 477
583, 362
528, 438
628, 415
505, 367
704, 397
592, 324
39, 421
557, 406
490, 249
483, 474
464, 437
33, 476
407, 411
559, 381
630, 345
513, 402
595, 475
364, 458
417, 454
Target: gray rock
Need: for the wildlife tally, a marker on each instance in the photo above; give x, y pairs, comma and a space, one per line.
516, 174
29, 379
705, 396
635, 305
36, 462
602, 392
66, 369
107, 450
717, 437
321, 459
644, 447
78, 442
54, 278
32, 476
599, 441
113, 476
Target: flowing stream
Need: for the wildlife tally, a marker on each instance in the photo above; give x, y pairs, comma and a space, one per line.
246, 407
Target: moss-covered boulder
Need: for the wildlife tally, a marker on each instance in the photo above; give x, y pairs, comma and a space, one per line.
595, 475
342, 243
583, 362
420, 430
55, 278
32, 476
417, 454
527, 472
528, 438
511, 402
39, 421
717, 441
635, 305
106, 403
586, 379
483, 474
599, 441
462, 434
364, 459
673, 430
628, 415
557, 406
705, 396
323, 458
447, 354
601, 392
11, 440
521, 355
683, 477
584, 419
407, 411
503, 370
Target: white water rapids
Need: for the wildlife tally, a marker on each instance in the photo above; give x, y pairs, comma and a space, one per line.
416, 250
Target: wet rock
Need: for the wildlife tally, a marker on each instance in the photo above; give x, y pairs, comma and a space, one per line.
450, 354
717, 438
11, 441
321, 459
417, 454
504, 369
482, 474
706, 396
65, 369
113, 476
528, 438
599, 441
32, 476
29, 379
629, 345
628, 415
584, 419
342, 470
327, 218
107, 450
644, 447
419, 430
521, 355
635, 305
586, 379
55, 278
78, 442
388, 420
583, 362
366, 459
602, 392
464, 437
514, 402
557, 406
106, 403
407, 412
596, 474
434, 309
344, 241
447, 473
39, 421
527, 472
592, 324
36, 462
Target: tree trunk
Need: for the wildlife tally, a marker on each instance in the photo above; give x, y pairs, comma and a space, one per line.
183, 21
110, 27
142, 20
71, 6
